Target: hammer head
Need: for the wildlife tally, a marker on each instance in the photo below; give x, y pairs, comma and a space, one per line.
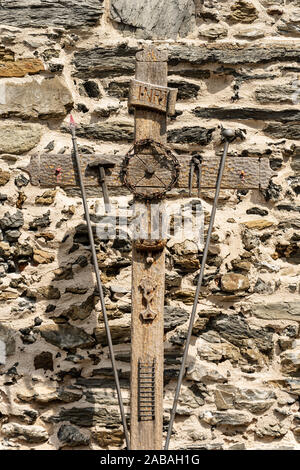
101, 162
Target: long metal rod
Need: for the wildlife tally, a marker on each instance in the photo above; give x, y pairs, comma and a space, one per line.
199, 284
99, 283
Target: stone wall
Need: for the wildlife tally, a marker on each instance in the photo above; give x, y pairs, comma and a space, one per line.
233, 61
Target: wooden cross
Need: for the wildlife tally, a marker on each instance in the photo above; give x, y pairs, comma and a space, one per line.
152, 100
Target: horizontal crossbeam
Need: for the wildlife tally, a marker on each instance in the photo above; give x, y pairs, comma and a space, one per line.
53, 170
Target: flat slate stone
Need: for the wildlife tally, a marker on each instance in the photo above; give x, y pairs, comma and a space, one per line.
66, 336
186, 134
289, 130
237, 331
17, 138
257, 114
33, 98
227, 418
119, 60
276, 94
43, 13
105, 131
234, 55
87, 417
277, 311
154, 18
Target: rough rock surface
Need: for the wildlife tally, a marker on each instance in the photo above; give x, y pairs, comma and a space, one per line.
31, 434
21, 67
119, 60
155, 19
244, 12
278, 310
71, 436
233, 62
51, 98
66, 336
18, 138
107, 131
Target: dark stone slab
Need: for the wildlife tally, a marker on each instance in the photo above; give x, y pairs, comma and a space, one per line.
119, 334
86, 417
105, 131
11, 221
289, 27
186, 90
119, 60
272, 192
154, 19
288, 130
71, 436
234, 55
173, 317
236, 330
66, 336
190, 72
257, 114
43, 361
40, 222
197, 134
43, 13
92, 89
288, 207
295, 162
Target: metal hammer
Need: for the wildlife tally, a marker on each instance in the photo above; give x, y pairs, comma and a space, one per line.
102, 164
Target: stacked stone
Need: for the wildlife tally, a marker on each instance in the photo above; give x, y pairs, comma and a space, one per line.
236, 62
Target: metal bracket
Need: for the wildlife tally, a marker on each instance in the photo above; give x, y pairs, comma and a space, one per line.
196, 166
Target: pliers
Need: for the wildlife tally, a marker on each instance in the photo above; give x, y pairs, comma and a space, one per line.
195, 167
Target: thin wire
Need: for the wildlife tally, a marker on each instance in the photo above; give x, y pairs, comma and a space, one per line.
99, 283
199, 284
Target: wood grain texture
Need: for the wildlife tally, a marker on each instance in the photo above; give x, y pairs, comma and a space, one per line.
42, 170
152, 96
147, 336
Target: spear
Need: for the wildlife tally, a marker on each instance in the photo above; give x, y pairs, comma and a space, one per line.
228, 136
98, 278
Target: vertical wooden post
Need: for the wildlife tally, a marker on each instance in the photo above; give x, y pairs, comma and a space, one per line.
148, 279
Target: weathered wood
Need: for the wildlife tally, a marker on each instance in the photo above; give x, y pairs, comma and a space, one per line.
147, 335
147, 345
240, 172
152, 96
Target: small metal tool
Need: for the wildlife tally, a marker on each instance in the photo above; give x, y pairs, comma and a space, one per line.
102, 165
196, 167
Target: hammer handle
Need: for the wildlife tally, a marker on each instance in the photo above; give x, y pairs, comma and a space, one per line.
104, 188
